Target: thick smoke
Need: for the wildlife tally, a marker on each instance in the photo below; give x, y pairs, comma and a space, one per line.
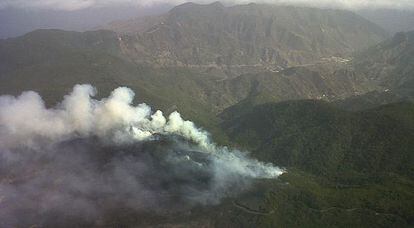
86, 158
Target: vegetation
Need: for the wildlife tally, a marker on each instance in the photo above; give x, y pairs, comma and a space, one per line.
349, 162
344, 168
254, 34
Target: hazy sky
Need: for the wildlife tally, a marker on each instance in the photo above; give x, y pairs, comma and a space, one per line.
82, 4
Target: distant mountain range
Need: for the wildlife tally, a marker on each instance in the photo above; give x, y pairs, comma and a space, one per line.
156, 49
19, 21
253, 35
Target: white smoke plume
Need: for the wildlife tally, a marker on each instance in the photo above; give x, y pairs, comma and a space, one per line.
86, 154
25, 119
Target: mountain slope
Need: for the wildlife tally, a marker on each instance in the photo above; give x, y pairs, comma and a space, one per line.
344, 168
52, 61
336, 141
390, 63
48, 47
381, 74
254, 34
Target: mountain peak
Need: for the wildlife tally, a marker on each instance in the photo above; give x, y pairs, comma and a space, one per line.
192, 5
253, 35
217, 4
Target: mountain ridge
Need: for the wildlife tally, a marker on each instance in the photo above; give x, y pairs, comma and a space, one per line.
252, 34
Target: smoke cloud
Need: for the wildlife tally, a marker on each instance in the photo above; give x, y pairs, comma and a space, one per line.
81, 4
85, 158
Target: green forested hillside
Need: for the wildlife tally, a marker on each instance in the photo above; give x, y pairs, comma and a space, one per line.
344, 168
327, 141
